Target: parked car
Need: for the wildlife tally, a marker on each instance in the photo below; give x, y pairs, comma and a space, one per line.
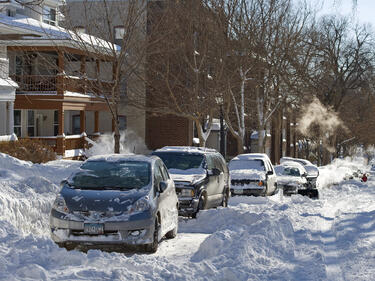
291, 177
114, 201
252, 174
200, 175
311, 169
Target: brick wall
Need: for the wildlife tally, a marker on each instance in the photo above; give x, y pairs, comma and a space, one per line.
168, 130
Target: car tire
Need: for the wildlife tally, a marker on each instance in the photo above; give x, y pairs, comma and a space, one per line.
201, 205
225, 199
276, 190
153, 247
173, 233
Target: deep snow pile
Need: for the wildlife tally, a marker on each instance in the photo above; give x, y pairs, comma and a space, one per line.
274, 238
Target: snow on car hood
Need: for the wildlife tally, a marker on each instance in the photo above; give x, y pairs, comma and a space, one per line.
247, 174
191, 175
105, 201
290, 180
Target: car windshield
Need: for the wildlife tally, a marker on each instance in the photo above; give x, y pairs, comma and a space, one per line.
181, 161
290, 171
112, 175
255, 164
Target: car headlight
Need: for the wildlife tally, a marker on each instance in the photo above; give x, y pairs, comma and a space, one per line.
141, 205
60, 204
186, 192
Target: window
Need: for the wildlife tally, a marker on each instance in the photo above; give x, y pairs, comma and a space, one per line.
56, 123
119, 32
122, 122
49, 15
76, 126
80, 29
210, 162
158, 177
30, 123
163, 170
11, 13
17, 122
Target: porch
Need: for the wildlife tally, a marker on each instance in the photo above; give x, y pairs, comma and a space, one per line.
59, 91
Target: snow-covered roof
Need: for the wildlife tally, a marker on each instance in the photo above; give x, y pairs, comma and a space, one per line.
50, 35
189, 149
7, 82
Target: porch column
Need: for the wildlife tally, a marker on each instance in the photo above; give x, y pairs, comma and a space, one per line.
10, 107
60, 141
82, 119
96, 122
83, 73
61, 73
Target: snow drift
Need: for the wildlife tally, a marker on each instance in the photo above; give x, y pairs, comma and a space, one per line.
256, 238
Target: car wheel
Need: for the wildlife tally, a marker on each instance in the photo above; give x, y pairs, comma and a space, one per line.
201, 206
153, 247
276, 190
173, 233
225, 200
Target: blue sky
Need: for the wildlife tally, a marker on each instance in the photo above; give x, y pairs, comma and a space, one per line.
364, 12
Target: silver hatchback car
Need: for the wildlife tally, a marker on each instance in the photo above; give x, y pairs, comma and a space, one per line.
114, 201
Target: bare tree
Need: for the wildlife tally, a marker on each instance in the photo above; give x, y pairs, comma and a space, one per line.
186, 67
118, 54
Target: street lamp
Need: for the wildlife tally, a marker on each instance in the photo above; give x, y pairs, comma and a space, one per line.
219, 101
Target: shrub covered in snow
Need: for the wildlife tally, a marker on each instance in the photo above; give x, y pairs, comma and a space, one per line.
28, 149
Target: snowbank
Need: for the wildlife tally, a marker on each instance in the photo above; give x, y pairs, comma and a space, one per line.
339, 170
255, 238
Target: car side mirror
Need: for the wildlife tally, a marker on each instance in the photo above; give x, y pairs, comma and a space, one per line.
64, 182
163, 186
269, 173
214, 172
304, 175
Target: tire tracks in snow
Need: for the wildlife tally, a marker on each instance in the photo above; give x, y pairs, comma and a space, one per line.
331, 253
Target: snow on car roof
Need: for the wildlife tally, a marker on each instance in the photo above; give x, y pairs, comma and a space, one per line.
293, 164
122, 157
302, 161
189, 149
251, 156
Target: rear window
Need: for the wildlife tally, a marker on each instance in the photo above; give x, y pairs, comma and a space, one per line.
291, 171
247, 165
112, 175
181, 161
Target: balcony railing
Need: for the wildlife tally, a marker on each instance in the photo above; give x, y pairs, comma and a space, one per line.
31, 83
48, 83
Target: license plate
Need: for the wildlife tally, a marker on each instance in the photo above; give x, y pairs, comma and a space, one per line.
237, 191
93, 228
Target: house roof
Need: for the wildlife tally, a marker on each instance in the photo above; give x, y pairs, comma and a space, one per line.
37, 33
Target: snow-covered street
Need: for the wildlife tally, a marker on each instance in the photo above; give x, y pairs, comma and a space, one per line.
255, 238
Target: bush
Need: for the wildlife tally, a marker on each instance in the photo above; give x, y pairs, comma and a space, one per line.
29, 150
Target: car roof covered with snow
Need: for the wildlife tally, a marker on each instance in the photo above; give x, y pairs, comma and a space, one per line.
299, 160
123, 157
186, 149
290, 164
251, 156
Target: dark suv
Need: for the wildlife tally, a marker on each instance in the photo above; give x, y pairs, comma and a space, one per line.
200, 175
